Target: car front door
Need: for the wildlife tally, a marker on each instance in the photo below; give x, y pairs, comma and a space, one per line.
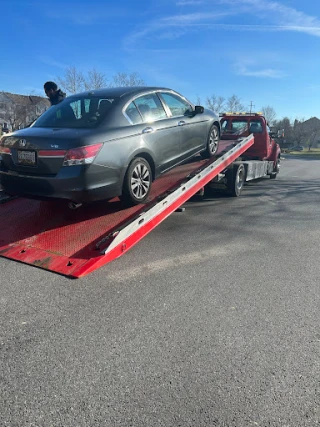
193, 127
160, 133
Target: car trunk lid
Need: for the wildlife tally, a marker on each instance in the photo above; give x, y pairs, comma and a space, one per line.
39, 151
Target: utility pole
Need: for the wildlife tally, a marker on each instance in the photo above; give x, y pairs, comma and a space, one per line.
251, 105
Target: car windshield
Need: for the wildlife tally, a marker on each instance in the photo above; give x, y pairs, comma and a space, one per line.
77, 112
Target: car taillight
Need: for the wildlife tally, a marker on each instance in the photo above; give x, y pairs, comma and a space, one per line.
81, 155
5, 150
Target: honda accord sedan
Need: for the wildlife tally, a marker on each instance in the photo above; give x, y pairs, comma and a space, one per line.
105, 143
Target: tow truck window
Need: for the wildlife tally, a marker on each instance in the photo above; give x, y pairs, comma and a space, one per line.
239, 126
255, 126
234, 126
224, 125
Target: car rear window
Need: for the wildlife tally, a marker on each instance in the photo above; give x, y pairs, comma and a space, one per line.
77, 112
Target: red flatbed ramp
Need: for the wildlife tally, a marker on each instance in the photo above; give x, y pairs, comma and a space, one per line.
76, 242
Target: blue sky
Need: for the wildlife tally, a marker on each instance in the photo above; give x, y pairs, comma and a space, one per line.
263, 51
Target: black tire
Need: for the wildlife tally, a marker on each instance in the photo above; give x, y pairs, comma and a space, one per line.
137, 182
235, 180
212, 143
276, 170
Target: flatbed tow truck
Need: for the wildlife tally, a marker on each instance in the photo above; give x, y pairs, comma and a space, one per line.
76, 242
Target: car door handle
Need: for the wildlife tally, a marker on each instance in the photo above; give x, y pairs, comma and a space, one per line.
148, 130
181, 123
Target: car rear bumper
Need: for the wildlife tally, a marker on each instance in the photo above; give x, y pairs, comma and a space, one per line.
80, 184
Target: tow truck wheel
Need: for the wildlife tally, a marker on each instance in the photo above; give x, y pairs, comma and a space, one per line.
137, 182
274, 174
235, 180
212, 143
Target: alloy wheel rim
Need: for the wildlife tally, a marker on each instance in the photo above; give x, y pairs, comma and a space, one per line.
140, 181
213, 141
240, 180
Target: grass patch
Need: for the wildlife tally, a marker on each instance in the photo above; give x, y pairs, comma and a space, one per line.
306, 152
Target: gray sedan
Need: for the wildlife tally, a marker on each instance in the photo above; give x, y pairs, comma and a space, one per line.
105, 143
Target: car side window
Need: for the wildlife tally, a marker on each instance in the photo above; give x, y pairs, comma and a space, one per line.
150, 107
177, 105
133, 114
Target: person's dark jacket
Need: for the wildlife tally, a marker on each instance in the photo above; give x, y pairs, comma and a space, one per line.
57, 97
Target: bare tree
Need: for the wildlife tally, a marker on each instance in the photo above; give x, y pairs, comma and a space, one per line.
220, 104
17, 116
284, 130
95, 80
198, 100
233, 104
270, 114
211, 102
299, 132
73, 80
125, 79
215, 103
314, 137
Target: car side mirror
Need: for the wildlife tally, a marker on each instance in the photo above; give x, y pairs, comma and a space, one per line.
198, 109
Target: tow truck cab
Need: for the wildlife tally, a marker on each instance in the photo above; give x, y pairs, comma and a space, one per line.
237, 125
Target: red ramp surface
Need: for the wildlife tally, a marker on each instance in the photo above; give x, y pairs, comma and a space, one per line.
54, 237
76, 242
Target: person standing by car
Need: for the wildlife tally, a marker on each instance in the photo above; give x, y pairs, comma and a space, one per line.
54, 94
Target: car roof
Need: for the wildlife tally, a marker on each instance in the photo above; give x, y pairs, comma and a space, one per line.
120, 91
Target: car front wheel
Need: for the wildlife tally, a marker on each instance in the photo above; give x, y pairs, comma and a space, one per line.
137, 182
212, 142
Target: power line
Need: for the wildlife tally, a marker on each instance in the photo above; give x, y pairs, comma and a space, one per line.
251, 105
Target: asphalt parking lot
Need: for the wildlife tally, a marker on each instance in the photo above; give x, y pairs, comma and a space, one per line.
211, 320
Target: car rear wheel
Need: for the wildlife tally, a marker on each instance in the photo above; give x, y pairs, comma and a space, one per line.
137, 182
212, 143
